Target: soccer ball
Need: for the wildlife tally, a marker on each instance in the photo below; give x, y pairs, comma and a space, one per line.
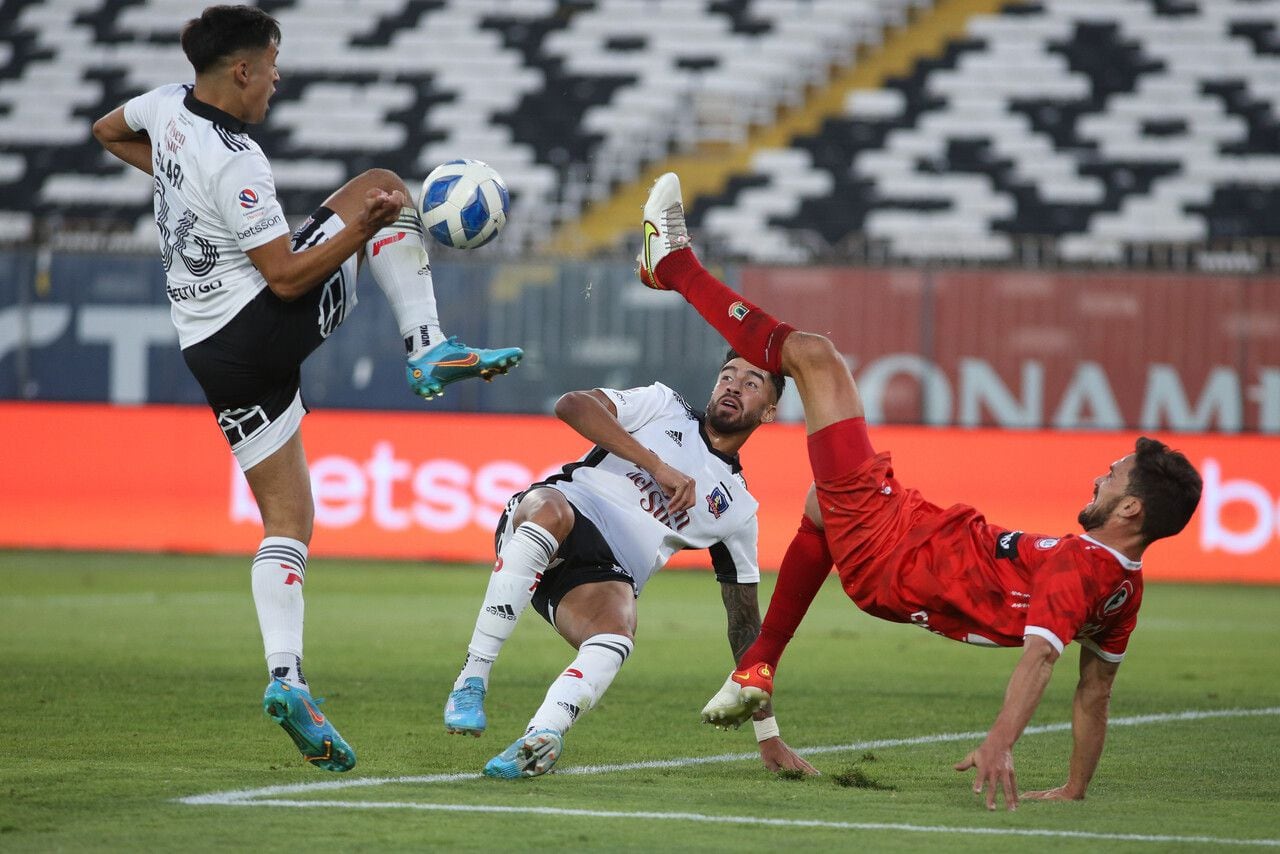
464, 203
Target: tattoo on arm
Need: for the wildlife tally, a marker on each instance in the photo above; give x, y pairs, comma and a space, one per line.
742, 611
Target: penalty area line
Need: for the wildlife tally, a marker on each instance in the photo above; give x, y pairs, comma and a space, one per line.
775, 822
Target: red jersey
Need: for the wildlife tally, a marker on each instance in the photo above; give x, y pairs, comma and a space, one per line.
904, 559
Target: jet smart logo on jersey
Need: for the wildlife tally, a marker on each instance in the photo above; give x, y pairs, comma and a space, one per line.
248, 198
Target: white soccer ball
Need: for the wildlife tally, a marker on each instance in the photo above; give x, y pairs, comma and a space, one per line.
464, 203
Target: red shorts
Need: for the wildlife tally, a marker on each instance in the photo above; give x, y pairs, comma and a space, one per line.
870, 518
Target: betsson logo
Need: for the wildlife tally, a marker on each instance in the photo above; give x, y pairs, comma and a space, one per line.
397, 494
1254, 513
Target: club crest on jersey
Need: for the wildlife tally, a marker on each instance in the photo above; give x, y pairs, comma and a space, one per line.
1117, 600
717, 502
248, 198
739, 310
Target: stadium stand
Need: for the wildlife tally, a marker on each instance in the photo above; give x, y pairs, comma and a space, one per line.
565, 99
1083, 128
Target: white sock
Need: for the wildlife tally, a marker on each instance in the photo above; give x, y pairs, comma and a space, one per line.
521, 562
279, 570
583, 683
397, 256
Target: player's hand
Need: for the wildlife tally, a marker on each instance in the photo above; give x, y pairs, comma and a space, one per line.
382, 208
1061, 793
777, 756
994, 764
680, 489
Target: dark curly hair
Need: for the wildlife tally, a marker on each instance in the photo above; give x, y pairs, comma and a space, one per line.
221, 31
1167, 485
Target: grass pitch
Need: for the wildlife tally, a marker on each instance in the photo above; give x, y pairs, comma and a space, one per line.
133, 682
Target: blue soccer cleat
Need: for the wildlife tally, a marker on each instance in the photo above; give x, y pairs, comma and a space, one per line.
464, 711
532, 755
293, 708
451, 361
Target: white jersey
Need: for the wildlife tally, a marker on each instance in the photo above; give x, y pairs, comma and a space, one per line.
630, 510
215, 199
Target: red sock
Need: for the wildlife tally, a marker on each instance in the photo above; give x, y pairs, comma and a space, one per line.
804, 568
756, 335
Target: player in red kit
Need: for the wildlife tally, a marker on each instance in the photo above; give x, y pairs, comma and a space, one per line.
904, 559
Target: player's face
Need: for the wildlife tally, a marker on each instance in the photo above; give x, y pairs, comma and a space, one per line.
1108, 491
261, 85
742, 399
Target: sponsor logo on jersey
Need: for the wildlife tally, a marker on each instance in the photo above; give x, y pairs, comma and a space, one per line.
187, 292
248, 198
1117, 600
258, 227
677, 437
1045, 543
717, 502
1007, 545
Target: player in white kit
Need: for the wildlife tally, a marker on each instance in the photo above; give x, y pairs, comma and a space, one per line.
582, 544
250, 302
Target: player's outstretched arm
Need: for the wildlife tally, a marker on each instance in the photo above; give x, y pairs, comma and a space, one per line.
1089, 713
595, 418
742, 613
292, 274
993, 760
122, 141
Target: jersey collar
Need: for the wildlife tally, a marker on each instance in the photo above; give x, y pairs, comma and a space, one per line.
212, 113
1130, 565
735, 465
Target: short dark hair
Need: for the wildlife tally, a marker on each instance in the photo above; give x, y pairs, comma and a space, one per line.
1167, 485
778, 380
221, 31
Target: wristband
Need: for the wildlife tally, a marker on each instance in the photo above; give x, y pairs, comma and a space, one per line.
766, 729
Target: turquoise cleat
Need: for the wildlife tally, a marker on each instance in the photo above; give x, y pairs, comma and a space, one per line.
451, 361
532, 755
464, 711
293, 708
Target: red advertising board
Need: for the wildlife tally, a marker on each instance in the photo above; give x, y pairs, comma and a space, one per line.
431, 486
1054, 350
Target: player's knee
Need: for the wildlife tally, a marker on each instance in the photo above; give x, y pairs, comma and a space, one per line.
383, 179
811, 510
548, 509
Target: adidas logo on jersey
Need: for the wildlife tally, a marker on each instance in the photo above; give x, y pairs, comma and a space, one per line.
503, 611
677, 437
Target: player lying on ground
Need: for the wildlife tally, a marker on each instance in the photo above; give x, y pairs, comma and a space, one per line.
582, 544
903, 559
251, 303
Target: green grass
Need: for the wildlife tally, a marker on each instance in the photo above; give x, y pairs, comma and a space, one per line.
131, 681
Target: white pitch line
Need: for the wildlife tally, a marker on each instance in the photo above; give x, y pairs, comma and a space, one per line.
775, 822
248, 797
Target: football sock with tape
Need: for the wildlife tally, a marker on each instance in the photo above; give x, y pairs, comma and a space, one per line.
804, 567
521, 561
279, 570
397, 257
754, 334
583, 683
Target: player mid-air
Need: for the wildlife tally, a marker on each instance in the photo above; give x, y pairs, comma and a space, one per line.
250, 303
582, 544
948, 570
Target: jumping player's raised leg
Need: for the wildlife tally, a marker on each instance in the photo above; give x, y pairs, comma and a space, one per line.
397, 257
834, 419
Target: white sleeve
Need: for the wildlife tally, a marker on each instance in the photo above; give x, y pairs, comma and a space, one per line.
638, 406
735, 557
245, 195
140, 112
